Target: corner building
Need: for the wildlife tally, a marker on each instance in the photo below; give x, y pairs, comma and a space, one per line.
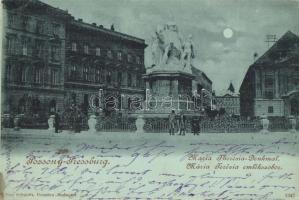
33, 57
271, 84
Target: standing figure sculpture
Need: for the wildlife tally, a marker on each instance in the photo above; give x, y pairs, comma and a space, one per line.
188, 53
157, 46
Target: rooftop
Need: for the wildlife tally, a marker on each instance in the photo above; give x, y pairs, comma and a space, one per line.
100, 28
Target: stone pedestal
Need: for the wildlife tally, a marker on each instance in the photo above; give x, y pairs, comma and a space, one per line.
139, 124
92, 122
265, 124
168, 90
293, 123
51, 123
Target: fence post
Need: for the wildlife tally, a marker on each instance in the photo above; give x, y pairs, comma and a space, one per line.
265, 124
293, 124
139, 124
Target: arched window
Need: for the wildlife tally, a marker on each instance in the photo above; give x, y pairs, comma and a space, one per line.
22, 105
54, 77
108, 77
119, 78
22, 76
86, 49
35, 105
73, 73
85, 73
119, 55
129, 80
98, 76
24, 47
129, 103
129, 58
138, 60
74, 46
37, 75
98, 51
109, 54
8, 72
102, 75
52, 105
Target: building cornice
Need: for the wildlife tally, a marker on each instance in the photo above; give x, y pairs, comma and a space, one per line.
115, 34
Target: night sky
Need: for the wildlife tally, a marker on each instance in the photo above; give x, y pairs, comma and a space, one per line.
226, 33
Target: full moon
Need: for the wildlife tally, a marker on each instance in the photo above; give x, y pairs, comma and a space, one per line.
228, 33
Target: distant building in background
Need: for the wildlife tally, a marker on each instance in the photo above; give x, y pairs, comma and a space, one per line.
229, 101
271, 84
201, 81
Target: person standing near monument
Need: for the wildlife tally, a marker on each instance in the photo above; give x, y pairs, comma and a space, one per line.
182, 124
171, 118
57, 121
78, 121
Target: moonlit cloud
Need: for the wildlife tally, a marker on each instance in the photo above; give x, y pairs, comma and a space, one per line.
222, 59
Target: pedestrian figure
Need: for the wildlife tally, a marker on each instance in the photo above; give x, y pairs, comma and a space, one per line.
78, 121
182, 124
195, 125
57, 121
171, 118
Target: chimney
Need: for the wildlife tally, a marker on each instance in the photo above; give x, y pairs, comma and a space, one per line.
80, 20
112, 27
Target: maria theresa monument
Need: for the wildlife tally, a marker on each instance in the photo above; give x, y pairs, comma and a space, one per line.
169, 51
170, 76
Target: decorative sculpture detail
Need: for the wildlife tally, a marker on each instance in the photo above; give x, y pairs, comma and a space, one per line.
169, 52
188, 53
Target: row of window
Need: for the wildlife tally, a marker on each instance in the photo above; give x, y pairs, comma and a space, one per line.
109, 53
29, 24
100, 76
291, 83
25, 46
21, 75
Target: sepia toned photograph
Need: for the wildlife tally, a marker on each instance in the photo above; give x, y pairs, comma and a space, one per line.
149, 100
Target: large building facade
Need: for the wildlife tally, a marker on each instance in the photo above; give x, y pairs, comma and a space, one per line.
52, 60
33, 57
271, 84
103, 59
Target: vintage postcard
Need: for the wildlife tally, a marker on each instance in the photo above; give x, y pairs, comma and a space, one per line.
149, 100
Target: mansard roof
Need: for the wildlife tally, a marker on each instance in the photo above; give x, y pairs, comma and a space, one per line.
287, 47
198, 72
93, 27
284, 52
36, 6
